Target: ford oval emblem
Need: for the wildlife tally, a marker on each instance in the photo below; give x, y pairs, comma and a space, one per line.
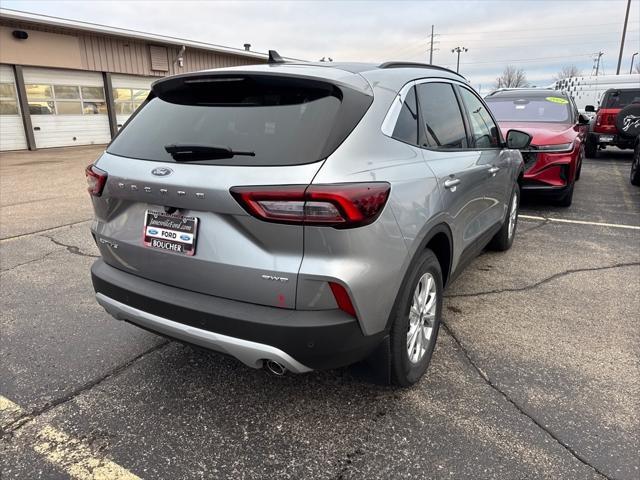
184, 237
161, 171
153, 232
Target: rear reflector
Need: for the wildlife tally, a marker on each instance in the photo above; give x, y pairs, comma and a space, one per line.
344, 205
96, 179
342, 298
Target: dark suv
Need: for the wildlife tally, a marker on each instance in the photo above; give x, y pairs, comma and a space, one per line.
617, 122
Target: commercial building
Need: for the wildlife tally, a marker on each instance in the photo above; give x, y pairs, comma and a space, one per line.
64, 82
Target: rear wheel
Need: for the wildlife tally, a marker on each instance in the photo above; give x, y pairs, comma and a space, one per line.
503, 240
417, 321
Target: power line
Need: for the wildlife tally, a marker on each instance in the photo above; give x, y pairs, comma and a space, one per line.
581, 27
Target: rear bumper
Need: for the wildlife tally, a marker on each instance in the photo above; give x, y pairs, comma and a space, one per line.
615, 140
300, 340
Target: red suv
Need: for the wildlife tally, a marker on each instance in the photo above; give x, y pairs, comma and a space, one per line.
617, 121
554, 159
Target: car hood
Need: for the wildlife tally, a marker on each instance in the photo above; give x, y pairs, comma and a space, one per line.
543, 133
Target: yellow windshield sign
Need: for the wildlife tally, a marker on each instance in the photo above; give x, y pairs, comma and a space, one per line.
560, 100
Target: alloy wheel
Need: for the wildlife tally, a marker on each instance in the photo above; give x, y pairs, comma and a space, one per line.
422, 317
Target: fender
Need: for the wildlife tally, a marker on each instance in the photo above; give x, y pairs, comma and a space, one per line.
439, 228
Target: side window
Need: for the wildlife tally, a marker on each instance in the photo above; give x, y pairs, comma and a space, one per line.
406, 129
440, 117
484, 131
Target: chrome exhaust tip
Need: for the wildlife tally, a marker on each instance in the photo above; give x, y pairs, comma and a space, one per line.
275, 368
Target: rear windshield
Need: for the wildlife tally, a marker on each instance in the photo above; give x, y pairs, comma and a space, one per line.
620, 98
263, 121
550, 109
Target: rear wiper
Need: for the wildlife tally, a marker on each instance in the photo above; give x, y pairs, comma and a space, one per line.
194, 153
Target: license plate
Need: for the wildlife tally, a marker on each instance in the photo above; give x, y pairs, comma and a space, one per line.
174, 233
606, 138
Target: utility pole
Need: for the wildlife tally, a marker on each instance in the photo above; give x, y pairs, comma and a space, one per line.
597, 61
432, 44
633, 57
624, 32
459, 50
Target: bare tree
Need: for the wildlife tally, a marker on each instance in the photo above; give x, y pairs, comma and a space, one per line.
568, 71
512, 77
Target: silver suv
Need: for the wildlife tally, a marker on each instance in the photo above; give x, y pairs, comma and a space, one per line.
302, 216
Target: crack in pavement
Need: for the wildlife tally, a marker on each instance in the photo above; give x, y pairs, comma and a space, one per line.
13, 237
29, 262
543, 281
70, 248
520, 409
19, 422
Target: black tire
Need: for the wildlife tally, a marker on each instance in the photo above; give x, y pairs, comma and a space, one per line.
628, 121
580, 161
590, 148
403, 371
567, 198
635, 165
503, 240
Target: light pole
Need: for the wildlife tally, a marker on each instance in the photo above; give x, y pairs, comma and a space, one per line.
633, 57
624, 32
459, 50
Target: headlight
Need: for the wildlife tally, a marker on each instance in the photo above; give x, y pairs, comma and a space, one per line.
561, 147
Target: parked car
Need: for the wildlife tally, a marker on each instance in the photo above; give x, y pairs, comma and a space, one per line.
617, 122
634, 176
554, 161
302, 216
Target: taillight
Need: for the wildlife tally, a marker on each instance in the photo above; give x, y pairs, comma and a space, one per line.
96, 179
342, 298
343, 205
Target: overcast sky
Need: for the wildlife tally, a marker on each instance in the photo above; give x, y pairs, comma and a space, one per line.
537, 35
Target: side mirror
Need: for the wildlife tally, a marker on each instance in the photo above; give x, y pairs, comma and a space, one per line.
590, 108
582, 120
518, 140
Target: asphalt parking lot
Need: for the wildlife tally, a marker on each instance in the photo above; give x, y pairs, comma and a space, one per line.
536, 374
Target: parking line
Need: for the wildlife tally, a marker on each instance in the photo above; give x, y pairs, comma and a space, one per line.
68, 453
579, 222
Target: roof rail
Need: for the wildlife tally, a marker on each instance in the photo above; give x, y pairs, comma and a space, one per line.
417, 65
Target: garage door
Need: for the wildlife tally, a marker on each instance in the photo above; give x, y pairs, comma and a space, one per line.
128, 93
11, 126
67, 107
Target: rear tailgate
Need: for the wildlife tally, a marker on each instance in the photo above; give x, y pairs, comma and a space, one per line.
276, 131
233, 250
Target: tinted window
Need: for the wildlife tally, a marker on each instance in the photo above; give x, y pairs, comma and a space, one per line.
281, 123
442, 125
406, 129
553, 109
484, 131
620, 98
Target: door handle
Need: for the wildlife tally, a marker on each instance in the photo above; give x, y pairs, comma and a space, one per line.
452, 183
494, 170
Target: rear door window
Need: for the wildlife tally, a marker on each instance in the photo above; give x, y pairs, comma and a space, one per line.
268, 121
441, 121
621, 98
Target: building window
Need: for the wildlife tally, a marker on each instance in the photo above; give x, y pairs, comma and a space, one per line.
8, 99
65, 100
128, 99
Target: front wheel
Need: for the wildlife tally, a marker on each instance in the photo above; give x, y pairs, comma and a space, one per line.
567, 199
503, 240
417, 321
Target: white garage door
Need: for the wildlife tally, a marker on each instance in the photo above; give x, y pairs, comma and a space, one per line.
11, 126
128, 93
67, 107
